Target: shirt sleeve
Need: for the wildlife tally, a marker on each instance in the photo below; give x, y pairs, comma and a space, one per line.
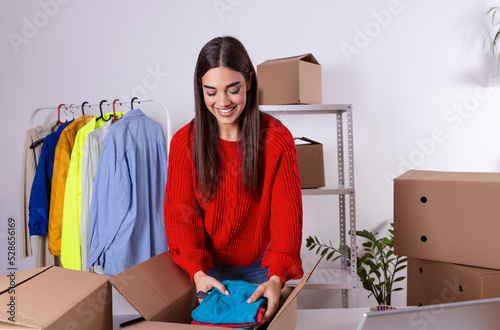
183, 219
40, 196
283, 255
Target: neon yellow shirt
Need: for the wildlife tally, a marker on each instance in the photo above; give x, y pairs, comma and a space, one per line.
70, 237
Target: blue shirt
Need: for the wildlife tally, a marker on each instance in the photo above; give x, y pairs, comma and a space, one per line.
126, 214
40, 190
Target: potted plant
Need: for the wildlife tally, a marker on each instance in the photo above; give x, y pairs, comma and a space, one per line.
494, 30
491, 40
377, 266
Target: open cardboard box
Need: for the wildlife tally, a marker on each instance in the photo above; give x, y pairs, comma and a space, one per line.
291, 80
55, 298
163, 294
311, 164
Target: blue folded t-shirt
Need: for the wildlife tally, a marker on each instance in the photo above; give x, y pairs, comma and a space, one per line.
218, 308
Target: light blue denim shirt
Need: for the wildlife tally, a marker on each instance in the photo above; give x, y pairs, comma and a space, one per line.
126, 214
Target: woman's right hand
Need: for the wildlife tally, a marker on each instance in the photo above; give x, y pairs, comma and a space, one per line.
205, 283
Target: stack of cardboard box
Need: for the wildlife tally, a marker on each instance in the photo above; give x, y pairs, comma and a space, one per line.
447, 223
296, 80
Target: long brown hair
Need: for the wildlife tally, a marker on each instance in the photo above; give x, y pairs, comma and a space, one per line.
225, 52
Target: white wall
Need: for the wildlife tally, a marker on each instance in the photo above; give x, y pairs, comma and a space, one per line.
417, 76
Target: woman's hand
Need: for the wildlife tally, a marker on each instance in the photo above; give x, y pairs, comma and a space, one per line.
205, 283
271, 290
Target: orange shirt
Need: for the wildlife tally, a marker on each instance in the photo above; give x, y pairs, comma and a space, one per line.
61, 164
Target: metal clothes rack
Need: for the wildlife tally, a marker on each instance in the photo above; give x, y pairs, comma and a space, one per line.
135, 100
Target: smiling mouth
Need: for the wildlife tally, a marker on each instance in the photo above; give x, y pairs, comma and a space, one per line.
226, 110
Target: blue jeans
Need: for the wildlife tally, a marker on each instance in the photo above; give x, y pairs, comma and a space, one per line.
253, 273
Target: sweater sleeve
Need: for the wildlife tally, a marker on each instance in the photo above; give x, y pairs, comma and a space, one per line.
183, 218
283, 255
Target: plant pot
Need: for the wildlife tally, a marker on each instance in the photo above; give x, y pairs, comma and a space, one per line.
378, 308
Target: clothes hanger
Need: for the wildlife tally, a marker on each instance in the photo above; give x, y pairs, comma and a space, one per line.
114, 112
83, 104
70, 106
100, 108
132, 102
59, 113
37, 142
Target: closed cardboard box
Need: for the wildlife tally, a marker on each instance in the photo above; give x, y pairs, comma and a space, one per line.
434, 282
55, 298
163, 294
292, 80
311, 164
448, 216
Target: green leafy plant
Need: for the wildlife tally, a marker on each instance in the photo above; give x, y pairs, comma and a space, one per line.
376, 267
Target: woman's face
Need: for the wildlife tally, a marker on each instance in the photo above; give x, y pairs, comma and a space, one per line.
224, 92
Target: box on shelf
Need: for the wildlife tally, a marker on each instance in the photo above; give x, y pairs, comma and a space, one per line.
163, 294
448, 216
55, 298
311, 164
291, 80
434, 282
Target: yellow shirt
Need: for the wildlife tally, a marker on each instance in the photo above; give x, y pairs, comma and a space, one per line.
61, 164
70, 235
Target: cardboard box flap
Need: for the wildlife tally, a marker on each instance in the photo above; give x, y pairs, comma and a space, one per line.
305, 57
295, 291
154, 285
50, 285
16, 325
423, 175
19, 278
304, 139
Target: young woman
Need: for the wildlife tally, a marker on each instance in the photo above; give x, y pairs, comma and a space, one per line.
233, 204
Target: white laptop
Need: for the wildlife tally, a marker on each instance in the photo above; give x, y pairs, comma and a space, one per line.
467, 315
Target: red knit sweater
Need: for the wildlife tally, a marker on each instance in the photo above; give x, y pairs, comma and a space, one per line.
233, 228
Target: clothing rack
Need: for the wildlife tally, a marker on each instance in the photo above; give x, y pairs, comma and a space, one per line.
135, 100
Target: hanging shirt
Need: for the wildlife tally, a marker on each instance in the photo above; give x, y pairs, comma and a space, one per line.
61, 165
42, 183
29, 165
91, 152
125, 225
70, 233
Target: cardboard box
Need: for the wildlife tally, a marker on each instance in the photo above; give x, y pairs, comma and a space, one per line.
448, 216
55, 298
164, 295
311, 164
434, 282
292, 80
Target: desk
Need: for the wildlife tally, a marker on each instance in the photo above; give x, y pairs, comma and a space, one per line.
326, 319
307, 319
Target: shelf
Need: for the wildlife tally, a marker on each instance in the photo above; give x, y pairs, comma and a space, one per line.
339, 190
336, 278
305, 109
327, 279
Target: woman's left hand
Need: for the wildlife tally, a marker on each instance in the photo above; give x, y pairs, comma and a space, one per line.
271, 290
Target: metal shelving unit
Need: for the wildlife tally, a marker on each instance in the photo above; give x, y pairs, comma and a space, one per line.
344, 278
